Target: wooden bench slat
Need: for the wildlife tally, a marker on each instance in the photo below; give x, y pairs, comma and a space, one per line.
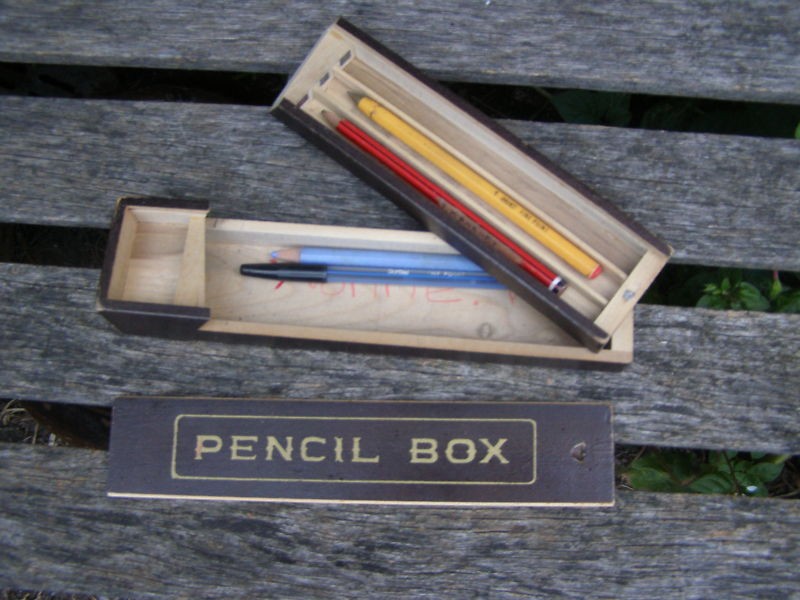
701, 378
62, 532
719, 200
747, 50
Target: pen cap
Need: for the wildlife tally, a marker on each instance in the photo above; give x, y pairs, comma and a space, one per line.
295, 272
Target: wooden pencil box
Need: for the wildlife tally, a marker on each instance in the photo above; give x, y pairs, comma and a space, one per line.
346, 62
172, 271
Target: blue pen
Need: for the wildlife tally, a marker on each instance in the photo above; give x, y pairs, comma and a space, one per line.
349, 257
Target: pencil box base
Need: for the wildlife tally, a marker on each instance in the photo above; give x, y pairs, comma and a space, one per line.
173, 271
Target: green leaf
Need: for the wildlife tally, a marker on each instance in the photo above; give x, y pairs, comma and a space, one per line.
713, 483
775, 289
720, 460
763, 280
717, 472
664, 471
593, 108
712, 301
651, 472
752, 486
797, 132
651, 479
765, 471
777, 459
683, 465
735, 295
750, 297
740, 468
788, 302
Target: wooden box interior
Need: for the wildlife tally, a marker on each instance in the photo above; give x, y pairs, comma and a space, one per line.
341, 63
182, 258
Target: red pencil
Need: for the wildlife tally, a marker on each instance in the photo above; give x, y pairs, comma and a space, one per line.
444, 200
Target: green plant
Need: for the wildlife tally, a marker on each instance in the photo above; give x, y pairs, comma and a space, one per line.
685, 285
739, 295
715, 472
735, 289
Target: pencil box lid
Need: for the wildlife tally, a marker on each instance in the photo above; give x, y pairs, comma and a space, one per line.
347, 60
436, 453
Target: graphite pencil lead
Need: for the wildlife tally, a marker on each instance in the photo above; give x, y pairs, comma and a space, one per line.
331, 118
356, 96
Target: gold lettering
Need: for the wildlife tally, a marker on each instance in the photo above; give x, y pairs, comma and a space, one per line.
493, 451
423, 450
450, 451
285, 451
201, 446
237, 446
304, 455
337, 450
357, 458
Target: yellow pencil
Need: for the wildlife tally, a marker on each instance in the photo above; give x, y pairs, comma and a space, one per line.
518, 214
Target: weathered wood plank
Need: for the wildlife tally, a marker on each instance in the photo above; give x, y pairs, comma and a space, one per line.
63, 533
719, 200
700, 378
745, 50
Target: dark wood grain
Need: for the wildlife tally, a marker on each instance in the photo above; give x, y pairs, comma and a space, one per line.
648, 545
700, 378
718, 200
423, 453
747, 50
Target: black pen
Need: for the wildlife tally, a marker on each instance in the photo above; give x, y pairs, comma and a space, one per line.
373, 275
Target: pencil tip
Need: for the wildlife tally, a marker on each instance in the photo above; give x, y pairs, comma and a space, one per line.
355, 96
286, 255
596, 272
331, 118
